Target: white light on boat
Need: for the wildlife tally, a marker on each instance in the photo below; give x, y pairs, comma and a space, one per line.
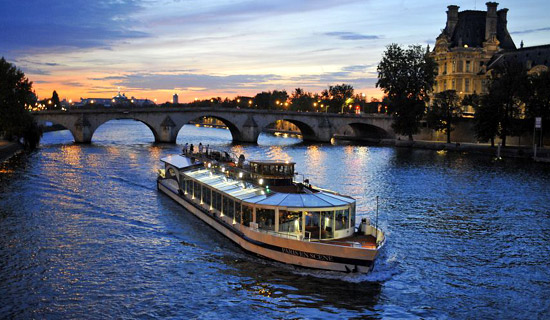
209, 165
223, 169
240, 174
261, 181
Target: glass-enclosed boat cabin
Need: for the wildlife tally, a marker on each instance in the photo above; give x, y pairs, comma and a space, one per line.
314, 216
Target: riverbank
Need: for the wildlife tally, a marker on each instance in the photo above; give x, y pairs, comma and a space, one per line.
8, 149
543, 155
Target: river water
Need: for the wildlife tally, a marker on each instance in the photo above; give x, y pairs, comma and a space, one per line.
85, 234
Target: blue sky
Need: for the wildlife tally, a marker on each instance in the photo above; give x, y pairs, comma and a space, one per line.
223, 48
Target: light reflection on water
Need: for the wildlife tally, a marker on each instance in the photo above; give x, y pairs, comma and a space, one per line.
85, 234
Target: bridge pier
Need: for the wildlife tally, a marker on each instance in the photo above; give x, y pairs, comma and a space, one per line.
323, 133
168, 131
249, 133
82, 131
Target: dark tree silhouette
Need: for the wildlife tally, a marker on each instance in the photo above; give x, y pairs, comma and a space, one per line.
406, 76
302, 101
336, 96
56, 104
507, 87
537, 99
445, 109
16, 97
486, 120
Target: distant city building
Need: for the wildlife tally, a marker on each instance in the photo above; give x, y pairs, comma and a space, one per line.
472, 43
175, 98
118, 100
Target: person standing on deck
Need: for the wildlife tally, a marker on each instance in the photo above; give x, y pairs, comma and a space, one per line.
191, 149
184, 151
200, 147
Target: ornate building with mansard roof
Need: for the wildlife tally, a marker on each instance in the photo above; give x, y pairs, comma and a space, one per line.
472, 43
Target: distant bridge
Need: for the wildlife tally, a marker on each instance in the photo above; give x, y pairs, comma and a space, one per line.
245, 124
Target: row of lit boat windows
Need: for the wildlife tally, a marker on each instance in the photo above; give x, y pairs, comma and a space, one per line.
312, 224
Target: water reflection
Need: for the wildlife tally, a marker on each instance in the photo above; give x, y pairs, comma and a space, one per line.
283, 288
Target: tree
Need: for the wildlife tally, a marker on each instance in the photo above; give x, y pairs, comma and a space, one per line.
271, 100
507, 87
302, 101
445, 109
16, 97
486, 120
336, 96
537, 98
56, 104
406, 76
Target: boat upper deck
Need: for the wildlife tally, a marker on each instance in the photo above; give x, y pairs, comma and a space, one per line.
263, 195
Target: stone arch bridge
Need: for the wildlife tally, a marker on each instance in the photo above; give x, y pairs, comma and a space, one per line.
245, 124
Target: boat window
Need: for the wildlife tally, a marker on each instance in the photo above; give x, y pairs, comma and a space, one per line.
216, 200
228, 207
265, 218
312, 224
290, 221
327, 224
197, 190
341, 221
247, 215
189, 188
238, 212
346, 216
352, 216
206, 196
171, 173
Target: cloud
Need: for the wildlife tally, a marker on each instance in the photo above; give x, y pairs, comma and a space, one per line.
344, 35
191, 81
358, 67
35, 71
531, 31
204, 12
67, 24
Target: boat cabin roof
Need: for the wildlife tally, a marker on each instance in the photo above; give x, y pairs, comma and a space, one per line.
177, 161
249, 193
273, 168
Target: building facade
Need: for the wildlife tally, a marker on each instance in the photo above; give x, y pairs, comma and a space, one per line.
472, 43
467, 45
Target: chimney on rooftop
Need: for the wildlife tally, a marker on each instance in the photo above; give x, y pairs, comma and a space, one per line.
491, 20
452, 19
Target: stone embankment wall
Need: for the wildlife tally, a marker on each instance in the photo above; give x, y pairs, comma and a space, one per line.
8, 149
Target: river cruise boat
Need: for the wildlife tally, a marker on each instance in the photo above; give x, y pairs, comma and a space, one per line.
260, 207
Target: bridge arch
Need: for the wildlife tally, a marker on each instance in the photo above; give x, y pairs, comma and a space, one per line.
151, 128
236, 134
364, 131
59, 122
307, 132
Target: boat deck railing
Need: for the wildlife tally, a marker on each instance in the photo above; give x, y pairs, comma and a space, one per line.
307, 238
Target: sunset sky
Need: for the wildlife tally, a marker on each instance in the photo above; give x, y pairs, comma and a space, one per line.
153, 49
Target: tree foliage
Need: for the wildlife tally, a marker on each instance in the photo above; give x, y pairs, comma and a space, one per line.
507, 87
444, 111
302, 100
537, 98
271, 100
336, 96
56, 104
406, 76
15, 97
